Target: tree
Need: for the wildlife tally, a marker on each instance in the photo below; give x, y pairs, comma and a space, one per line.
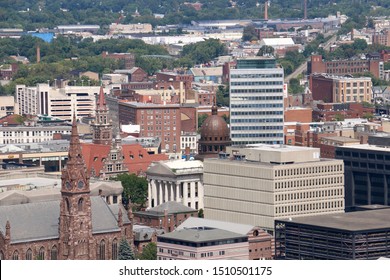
134, 188
265, 50
249, 33
125, 251
201, 119
149, 252
201, 213
222, 96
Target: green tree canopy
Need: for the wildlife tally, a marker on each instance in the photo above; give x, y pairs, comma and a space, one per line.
125, 251
135, 188
249, 33
149, 252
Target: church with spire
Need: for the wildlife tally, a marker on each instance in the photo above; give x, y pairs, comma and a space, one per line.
106, 156
76, 227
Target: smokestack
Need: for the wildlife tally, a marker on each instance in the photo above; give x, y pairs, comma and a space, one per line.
266, 10
305, 9
38, 53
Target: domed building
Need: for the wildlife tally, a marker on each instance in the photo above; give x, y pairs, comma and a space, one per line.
215, 136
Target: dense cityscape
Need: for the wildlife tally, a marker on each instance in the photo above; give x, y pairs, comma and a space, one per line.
200, 130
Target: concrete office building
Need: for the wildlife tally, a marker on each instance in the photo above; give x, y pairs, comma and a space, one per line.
259, 184
256, 102
30, 134
361, 235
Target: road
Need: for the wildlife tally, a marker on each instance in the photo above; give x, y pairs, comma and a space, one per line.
303, 67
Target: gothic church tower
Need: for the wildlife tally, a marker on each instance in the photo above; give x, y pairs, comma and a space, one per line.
75, 229
102, 127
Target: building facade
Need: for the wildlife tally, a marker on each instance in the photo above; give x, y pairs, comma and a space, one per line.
361, 235
256, 102
340, 89
30, 134
257, 185
57, 102
8, 106
176, 180
367, 174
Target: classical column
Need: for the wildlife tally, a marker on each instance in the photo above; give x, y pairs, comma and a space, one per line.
165, 187
172, 198
185, 194
150, 194
160, 194
177, 192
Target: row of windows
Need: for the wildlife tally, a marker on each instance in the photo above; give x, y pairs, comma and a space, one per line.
260, 135
369, 165
308, 170
202, 244
256, 120
161, 111
309, 207
258, 76
30, 133
308, 182
309, 194
257, 142
278, 105
257, 127
364, 155
260, 90
244, 98
257, 83
262, 113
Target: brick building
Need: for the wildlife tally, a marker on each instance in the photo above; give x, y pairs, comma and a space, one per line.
159, 120
340, 89
343, 67
340, 111
127, 58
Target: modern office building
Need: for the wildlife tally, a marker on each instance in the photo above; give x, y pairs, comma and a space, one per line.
361, 235
57, 102
256, 102
367, 174
256, 185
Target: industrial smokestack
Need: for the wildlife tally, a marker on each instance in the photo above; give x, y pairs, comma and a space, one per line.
266, 10
38, 53
305, 9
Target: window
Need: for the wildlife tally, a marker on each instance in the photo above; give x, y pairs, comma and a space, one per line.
102, 250
15, 255
109, 168
41, 254
114, 156
29, 254
80, 205
114, 249
54, 253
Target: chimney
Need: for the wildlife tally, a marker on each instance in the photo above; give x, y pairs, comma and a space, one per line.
38, 53
266, 10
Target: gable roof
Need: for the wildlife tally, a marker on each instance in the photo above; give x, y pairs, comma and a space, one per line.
172, 207
39, 221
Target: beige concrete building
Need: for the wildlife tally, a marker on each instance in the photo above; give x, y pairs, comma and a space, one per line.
7, 106
255, 185
352, 89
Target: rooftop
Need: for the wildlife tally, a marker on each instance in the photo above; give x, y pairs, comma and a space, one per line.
199, 235
352, 221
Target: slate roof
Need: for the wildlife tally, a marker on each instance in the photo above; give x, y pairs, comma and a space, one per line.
200, 235
171, 206
39, 221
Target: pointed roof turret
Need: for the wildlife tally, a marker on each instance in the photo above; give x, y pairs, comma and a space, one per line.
74, 175
101, 102
214, 108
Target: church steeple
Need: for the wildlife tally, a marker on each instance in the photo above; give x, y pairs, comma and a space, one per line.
75, 225
102, 127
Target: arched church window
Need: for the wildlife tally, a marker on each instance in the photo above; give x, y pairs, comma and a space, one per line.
67, 205
54, 253
80, 205
102, 250
1, 255
41, 254
115, 249
29, 254
15, 255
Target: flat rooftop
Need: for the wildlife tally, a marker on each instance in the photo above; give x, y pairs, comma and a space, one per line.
352, 221
198, 235
341, 139
367, 147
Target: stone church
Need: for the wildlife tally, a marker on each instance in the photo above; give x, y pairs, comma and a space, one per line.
77, 227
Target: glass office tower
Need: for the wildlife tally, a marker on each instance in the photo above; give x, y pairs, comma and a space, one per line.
256, 102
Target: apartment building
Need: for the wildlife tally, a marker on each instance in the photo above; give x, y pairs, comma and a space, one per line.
256, 102
255, 185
